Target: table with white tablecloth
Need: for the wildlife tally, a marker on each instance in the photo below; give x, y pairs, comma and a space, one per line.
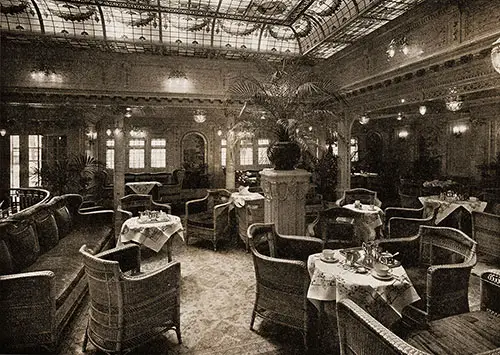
369, 219
152, 234
249, 209
384, 299
142, 187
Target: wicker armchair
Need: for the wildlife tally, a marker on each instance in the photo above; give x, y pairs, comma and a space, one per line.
438, 261
208, 218
365, 196
486, 232
360, 333
405, 222
335, 226
282, 283
166, 191
136, 203
129, 309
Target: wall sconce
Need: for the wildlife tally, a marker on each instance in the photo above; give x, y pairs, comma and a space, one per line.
495, 55
422, 109
199, 116
403, 134
91, 135
108, 132
137, 133
400, 44
400, 116
453, 101
128, 112
3, 132
219, 132
459, 129
364, 119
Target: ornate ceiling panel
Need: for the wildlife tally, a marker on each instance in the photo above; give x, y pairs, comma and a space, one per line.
231, 28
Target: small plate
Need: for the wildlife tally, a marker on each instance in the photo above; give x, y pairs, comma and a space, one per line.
383, 278
333, 260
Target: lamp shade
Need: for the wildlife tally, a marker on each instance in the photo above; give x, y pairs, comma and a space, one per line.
495, 55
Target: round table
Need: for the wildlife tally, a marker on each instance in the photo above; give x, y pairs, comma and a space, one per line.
369, 218
152, 234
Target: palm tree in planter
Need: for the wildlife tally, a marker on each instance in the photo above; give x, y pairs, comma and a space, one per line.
281, 106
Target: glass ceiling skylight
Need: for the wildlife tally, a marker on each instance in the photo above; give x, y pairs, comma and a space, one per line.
230, 28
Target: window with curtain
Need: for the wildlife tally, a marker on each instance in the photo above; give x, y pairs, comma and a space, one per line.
34, 159
136, 153
158, 153
110, 153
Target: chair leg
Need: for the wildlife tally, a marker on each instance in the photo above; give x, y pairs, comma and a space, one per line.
252, 321
178, 332
85, 339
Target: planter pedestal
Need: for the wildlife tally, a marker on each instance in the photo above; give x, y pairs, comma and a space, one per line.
285, 199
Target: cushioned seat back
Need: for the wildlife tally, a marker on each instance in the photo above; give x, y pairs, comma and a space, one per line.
335, 224
365, 197
22, 244
217, 197
441, 245
136, 203
486, 232
46, 226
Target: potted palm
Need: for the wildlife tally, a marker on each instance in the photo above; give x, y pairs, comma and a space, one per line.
281, 105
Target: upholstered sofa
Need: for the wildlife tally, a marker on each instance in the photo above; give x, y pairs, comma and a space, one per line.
42, 277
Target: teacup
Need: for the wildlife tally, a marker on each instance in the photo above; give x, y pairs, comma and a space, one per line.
357, 204
328, 254
381, 269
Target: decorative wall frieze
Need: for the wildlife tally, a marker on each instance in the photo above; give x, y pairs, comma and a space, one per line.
23, 96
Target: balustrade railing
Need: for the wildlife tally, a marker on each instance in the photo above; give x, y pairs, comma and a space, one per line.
21, 198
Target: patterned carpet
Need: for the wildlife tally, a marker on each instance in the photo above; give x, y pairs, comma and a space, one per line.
217, 295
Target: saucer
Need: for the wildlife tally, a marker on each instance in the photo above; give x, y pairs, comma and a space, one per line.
395, 263
383, 278
329, 260
361, 270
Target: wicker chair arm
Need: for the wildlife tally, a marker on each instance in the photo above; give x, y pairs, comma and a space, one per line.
165, 207
403, 212
124, 213
193, 203
339, 202
93, 217
355, 325
128, 256
163, 275
406, 227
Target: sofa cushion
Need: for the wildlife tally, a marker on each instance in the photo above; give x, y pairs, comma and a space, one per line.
65, 260
202, 219
6, 264
63, 220
46, 226
23, 244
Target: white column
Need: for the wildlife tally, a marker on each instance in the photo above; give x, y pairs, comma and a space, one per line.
285, 194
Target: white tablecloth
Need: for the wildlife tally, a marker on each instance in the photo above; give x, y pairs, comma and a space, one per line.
142, 187
240, 198
367, 221
153, 234
383, 299
446, 207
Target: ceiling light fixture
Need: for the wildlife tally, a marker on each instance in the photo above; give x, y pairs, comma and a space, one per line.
3, 132
453, 101
400, 116
422, 109
403, 134
199, 116
364, 119
495, 55
400, 44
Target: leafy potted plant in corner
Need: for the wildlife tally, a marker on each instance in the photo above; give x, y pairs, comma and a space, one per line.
280, 106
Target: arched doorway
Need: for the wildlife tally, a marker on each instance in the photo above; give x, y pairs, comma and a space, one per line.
194, 160
374, 152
